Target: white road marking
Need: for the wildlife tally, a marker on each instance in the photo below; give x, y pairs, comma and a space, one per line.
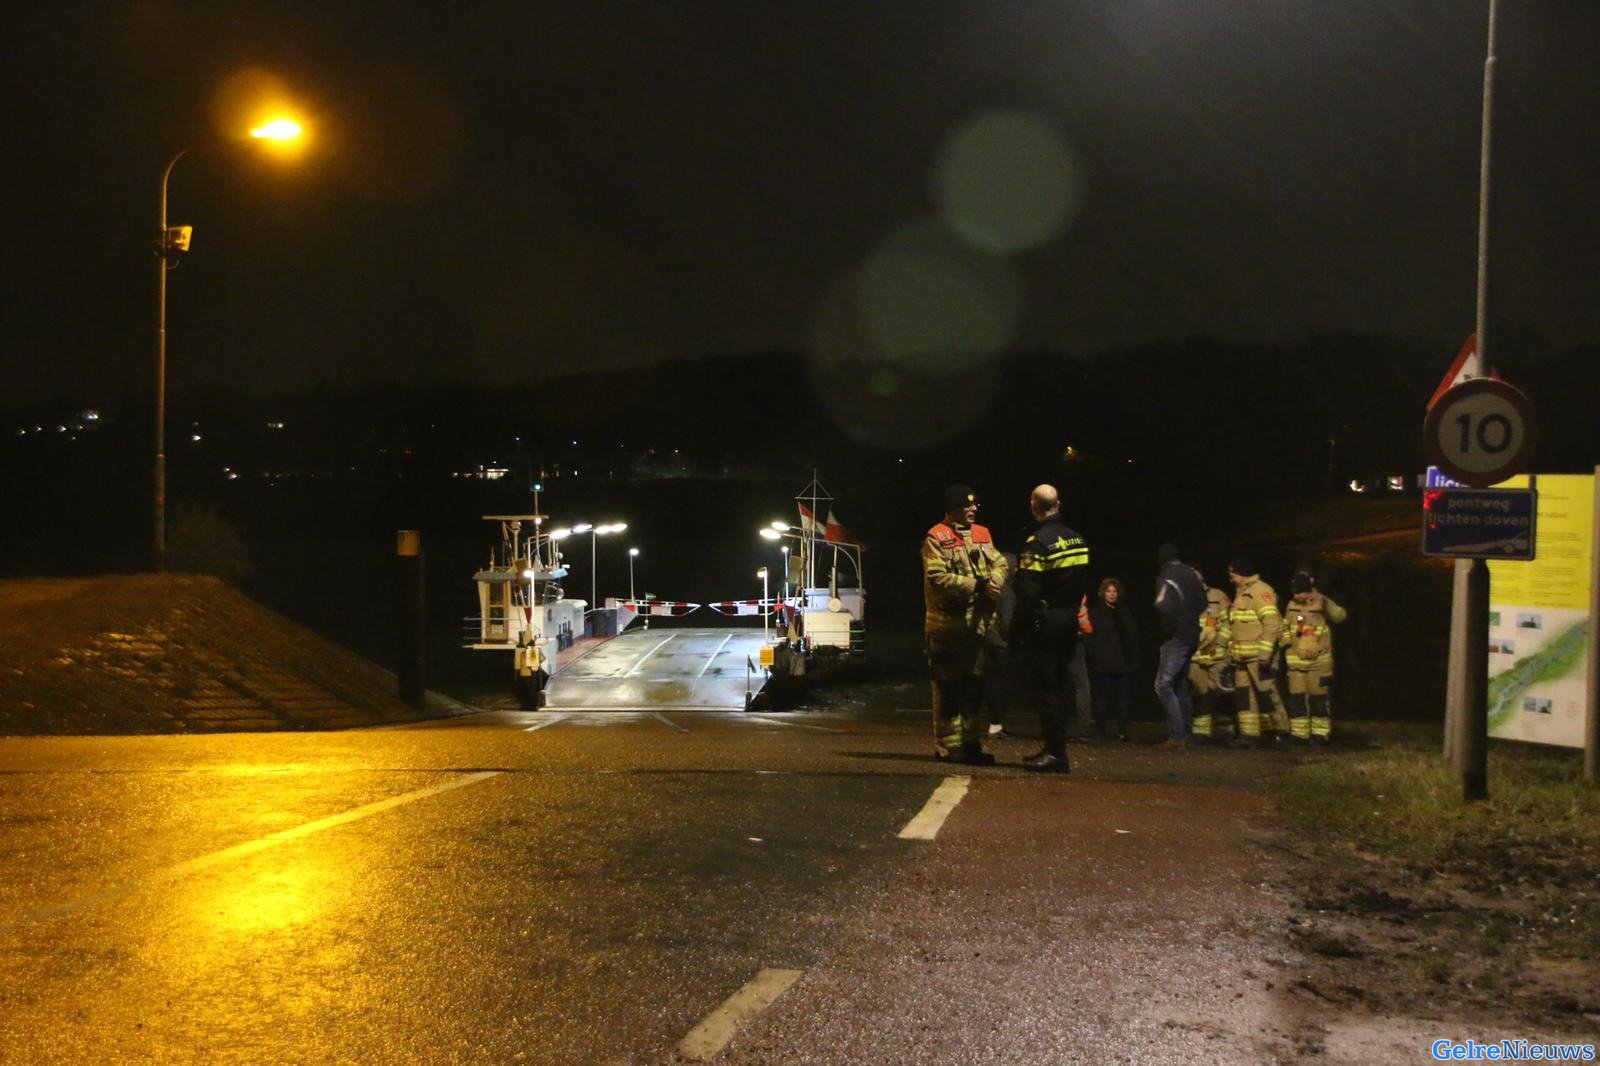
669, 723
548, 720
929, 820
634, 669
714, 655
249, 847
713, 1034
797, 725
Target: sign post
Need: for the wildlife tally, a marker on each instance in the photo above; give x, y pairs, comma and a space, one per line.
1478, 433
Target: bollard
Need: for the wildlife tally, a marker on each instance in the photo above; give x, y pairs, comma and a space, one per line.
413, 649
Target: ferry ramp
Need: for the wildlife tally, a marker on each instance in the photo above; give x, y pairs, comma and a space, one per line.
662, 670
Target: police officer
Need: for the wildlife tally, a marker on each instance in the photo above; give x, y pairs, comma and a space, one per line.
962, 575
1253, 647
1052, 582
1308, 652
1213, 690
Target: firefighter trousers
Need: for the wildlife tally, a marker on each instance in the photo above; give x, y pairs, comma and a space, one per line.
1310, 710
1255, 696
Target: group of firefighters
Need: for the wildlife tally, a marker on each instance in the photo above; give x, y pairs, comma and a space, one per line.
1235, 663
1221, 657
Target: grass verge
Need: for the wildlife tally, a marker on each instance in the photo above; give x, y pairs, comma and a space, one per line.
1528, 858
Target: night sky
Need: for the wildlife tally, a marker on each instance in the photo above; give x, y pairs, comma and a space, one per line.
509, 192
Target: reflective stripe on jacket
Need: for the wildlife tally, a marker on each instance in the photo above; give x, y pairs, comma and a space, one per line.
954, 559
1215, 632
1255, 621
1307, 637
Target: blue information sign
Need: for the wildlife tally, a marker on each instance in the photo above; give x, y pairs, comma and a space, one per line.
1479, 523
1436, 479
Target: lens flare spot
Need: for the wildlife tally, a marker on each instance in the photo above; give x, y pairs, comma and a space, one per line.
1007, 181
927, 299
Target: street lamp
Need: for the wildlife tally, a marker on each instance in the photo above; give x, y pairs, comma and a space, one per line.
785, 550
600, 531
633, 553
766, 618
170, 244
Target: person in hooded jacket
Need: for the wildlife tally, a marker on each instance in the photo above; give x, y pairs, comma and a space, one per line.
1112, 647
1180, 601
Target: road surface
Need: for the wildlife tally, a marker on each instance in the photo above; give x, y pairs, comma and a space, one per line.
649, 886
662, 670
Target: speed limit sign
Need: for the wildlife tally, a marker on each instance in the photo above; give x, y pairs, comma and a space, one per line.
1481, 432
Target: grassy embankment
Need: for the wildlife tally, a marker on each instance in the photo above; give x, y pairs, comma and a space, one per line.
1528, 860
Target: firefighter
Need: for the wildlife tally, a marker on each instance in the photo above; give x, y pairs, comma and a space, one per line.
1307, 641
1255, 621
1213, 690
1052, 582
962, 575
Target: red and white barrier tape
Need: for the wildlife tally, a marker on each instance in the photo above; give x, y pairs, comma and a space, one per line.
654, 608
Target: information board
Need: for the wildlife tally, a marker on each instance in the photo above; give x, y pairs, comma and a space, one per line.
1539, 619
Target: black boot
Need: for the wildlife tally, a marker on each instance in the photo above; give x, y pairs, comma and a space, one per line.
972, 754
1047, 763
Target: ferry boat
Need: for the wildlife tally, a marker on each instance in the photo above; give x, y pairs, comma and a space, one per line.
522, 608
822, 625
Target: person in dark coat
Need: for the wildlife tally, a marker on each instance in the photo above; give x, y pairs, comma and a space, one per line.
1113, 652
1180, 601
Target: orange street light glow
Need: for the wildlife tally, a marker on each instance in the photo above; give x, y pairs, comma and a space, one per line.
279, 129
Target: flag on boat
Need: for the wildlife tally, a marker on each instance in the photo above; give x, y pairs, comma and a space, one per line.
830, 531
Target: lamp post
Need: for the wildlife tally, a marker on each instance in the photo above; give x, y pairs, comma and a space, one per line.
633, 553
171, 243
766, 618
600, 531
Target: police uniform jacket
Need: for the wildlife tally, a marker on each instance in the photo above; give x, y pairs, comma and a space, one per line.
1052, 582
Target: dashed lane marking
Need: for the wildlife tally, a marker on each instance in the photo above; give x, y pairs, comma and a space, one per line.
250, 847
929, 820
797, 725
669, 723
719, 1027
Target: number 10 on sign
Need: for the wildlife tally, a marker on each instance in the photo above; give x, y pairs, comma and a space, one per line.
1481, 432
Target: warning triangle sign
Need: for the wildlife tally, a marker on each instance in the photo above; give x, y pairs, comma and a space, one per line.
1467, 365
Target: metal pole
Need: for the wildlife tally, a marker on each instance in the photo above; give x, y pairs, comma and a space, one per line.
158, 541
1591, 732
1485, 161
1454, 676
1473, 752
592, 585
766, 614
412, 672
631, 597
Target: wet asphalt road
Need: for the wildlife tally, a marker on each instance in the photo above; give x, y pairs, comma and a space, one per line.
569, 886
663, 669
